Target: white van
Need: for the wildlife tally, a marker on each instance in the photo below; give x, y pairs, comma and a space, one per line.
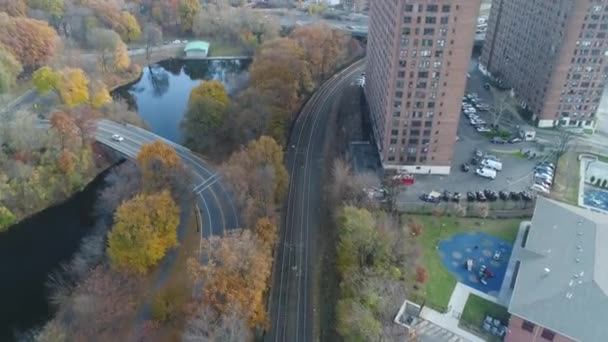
486, 173
492, 164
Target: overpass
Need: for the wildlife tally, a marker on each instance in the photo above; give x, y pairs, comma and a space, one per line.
213, 200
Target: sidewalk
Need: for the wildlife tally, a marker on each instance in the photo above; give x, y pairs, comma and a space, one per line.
450, 319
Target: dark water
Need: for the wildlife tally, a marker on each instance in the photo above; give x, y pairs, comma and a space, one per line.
160, 96
32, 249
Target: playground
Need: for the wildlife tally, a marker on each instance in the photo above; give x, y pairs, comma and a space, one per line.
476, 259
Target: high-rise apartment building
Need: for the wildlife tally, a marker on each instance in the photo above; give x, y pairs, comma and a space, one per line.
418, 56
554, 54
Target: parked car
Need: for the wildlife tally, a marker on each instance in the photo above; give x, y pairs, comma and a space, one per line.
503, 195
491, 164
480, 196
486, 173
482, 129
471, 196
542, 169
547, 164
446, 196
516, 196
526, 196
478, 153
498, 140
465, 167
430, 199
456, 197
515, 140
540, 188
491, 157
543, 182
474, 161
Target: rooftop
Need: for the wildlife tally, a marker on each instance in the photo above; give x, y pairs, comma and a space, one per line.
563, 277
197, 45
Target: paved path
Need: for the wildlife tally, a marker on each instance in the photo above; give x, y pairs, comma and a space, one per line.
450, 319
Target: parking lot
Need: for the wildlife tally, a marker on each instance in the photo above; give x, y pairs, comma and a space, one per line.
517, 170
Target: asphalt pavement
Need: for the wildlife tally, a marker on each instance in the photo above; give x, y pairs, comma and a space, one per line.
213, 198
291, 311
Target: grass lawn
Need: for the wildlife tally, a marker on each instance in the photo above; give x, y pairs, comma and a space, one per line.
441, 282
218, 48
475, 311
567, 179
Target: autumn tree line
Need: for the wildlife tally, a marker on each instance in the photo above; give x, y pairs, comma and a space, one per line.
283, 74
139, 210
377, 259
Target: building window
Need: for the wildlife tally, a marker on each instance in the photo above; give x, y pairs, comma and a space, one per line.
409, 8
547, 334
445, 8
395, 132
444, 20
432, 8
411, 159
430, 20
429, 32
391, 158
406, 31
393, 141
527, 326
407, 20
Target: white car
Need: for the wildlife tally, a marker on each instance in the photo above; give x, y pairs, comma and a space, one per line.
483, 129
117, 137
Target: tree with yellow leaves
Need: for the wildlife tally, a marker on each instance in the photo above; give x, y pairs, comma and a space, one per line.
65, 162
101, 95
129, 29
73, 87
159, 163
121, 57
45, 79
145, 227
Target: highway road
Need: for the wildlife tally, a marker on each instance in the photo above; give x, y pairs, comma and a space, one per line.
214, 200
291, 312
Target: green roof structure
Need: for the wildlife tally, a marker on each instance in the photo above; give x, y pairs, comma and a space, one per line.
197, 48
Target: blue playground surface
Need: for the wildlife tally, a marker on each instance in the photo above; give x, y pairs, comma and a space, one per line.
596, 198
479, 247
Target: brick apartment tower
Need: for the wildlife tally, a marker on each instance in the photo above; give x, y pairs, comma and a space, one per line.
553, 53
418, 57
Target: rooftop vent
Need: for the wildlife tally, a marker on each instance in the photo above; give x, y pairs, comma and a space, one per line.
546, 271
568, 295
580, 233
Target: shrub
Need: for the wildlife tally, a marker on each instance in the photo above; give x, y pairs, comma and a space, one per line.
167, 303
592, 179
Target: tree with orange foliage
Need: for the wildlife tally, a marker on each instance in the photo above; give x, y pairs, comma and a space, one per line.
85, 120
236, 275
158, 163
32, 41
65, 162
266, 231
15, 8
66, 130
280, 66
325, 47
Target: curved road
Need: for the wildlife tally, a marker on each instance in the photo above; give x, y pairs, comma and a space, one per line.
291, 300
213, 199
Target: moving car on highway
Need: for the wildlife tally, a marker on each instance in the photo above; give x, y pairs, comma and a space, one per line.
117, 137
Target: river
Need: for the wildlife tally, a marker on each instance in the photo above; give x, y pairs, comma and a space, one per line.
33, 248
161, 94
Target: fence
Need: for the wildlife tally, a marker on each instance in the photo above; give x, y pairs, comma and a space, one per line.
498, 209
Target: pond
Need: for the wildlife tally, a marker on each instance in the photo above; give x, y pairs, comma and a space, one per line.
33, 248
161, 95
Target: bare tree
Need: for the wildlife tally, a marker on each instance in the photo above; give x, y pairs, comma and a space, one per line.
207, 326
104, 41
122, 183
152, 36
564, 141
500, 107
